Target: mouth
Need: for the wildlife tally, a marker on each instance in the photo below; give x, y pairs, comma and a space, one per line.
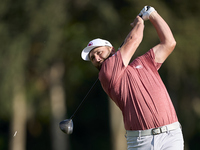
101, 61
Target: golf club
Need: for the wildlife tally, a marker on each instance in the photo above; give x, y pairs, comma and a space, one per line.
67, 125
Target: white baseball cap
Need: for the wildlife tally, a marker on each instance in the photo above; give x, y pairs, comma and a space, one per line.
93, 44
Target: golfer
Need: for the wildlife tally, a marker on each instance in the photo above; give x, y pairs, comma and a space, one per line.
149, 116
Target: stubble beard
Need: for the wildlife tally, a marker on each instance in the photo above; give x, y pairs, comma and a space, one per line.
100, 64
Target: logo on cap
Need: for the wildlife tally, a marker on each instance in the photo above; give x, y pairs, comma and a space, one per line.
90, 44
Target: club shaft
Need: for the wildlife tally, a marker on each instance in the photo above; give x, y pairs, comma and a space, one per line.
83, 99
88, 93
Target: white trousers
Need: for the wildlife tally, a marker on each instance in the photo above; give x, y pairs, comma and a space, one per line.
171, 140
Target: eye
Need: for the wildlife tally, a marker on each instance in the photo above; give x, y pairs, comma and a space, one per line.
92, 57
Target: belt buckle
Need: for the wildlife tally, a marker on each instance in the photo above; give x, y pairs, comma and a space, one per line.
156, 131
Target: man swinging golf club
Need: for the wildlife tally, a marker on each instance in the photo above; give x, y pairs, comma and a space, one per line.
149, 117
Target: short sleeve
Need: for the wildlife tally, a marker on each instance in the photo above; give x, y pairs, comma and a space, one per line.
150, 54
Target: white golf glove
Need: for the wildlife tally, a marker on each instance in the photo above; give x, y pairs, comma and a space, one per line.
145, 12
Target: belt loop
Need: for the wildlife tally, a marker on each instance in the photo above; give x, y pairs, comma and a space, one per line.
167, 129
140, 134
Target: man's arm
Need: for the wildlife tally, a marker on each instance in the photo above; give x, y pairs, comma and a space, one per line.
133, 40
167, 41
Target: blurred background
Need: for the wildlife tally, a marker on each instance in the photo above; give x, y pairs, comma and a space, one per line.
43, 78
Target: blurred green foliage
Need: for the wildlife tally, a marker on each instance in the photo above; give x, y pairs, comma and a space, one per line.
36, 34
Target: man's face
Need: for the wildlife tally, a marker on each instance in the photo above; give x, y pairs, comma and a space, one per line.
99, 55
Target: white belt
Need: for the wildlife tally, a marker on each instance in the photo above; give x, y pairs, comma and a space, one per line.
154, 131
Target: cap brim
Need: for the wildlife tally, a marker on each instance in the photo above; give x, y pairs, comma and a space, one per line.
85, 53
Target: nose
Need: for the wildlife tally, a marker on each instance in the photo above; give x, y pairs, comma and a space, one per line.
98, 59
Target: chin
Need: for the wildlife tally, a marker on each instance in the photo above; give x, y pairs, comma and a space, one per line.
99, 66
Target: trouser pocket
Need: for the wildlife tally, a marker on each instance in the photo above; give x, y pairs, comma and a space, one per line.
139, 143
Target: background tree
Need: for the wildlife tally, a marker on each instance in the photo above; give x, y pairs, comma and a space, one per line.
41, 70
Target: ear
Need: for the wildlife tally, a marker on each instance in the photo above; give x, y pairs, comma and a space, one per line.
112, 50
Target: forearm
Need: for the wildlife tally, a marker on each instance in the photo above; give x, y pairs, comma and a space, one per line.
132, 41
163, 30
167, 41
136, 33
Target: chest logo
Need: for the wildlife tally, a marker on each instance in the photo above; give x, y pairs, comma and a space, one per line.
139, 67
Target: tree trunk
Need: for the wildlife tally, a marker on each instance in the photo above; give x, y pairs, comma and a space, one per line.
57, 96
19, 118
117, 128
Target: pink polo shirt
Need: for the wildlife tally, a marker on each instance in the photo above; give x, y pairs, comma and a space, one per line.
138, 91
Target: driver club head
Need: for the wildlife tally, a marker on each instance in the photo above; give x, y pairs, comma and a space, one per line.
66, 126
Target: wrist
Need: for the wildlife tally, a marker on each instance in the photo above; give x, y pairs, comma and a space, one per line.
146, 12
153, 15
